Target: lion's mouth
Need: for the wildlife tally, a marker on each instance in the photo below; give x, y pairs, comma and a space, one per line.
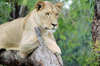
46, 28
51, 28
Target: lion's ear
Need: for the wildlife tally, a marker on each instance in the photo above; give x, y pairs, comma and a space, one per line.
39, 5
59, 5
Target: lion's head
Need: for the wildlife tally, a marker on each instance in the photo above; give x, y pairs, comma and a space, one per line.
47, 14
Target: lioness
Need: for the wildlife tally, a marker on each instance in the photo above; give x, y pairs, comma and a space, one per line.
20, 34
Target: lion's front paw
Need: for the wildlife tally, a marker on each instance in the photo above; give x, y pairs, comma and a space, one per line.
56, 50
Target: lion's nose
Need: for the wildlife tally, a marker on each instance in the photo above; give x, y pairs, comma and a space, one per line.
53, 24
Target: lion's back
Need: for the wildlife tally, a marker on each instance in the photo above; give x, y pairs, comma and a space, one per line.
11, 33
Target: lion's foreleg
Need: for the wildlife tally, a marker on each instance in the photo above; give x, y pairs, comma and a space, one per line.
27, 47
52, 45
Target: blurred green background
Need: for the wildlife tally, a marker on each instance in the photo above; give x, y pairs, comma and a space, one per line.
74, 33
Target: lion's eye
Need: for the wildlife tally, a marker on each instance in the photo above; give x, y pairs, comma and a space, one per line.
57, 14
47, 13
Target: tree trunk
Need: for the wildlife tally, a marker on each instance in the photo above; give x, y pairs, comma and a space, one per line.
42, 56
22, 11
15, 12
18, 11
96, 29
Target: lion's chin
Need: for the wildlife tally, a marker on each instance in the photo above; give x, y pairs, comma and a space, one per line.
52, 31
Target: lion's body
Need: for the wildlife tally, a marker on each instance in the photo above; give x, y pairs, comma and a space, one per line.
20, 34
11, 34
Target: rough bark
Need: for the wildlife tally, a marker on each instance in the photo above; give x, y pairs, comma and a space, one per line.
96, 28
42, 56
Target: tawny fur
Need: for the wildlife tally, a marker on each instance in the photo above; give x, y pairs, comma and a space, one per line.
20, 34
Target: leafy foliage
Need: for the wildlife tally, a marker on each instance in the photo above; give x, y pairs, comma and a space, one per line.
74, 34
5, 9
